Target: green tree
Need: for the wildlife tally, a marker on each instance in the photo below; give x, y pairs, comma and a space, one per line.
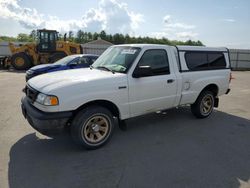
7, 39
22, 37
83, 37
95, 36
90, 36
127, 39
33, 35
71, 36
103, 35
79, 36
109, 38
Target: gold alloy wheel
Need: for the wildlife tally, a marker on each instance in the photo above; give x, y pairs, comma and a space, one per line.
96, 129
207, 104
19, 61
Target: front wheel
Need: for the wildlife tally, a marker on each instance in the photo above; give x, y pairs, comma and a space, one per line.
92, 127
204, 105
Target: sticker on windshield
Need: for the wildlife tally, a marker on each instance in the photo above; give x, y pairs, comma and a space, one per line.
128, 51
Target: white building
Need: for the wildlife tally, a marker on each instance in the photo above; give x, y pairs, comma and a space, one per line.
96, 47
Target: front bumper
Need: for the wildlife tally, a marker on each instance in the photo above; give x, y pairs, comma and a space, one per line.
47, 123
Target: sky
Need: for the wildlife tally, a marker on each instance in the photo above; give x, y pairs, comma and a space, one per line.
215, 23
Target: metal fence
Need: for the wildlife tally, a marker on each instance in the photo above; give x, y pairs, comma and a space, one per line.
240, 59
5, 50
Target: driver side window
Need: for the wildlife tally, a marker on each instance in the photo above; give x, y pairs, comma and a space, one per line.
83, 61
157, 60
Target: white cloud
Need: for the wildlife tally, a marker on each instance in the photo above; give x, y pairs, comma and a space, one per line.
186, 34
229, 20
175, 30
179, 25
166, 19
161, 34
172, 24
110, 15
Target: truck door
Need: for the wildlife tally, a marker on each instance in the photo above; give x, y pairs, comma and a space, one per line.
155, 89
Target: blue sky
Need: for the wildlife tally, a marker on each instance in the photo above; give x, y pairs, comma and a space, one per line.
215, 23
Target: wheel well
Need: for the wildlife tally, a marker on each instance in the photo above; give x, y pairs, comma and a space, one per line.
104, 103
213, 88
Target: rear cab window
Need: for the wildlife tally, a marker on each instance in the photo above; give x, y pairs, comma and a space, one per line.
202, 60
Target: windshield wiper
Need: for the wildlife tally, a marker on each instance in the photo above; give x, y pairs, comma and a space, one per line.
105, 68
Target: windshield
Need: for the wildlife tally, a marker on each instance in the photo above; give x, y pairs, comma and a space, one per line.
65, 60
117, 58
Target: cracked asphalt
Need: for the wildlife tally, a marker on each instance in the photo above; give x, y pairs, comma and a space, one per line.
171, 149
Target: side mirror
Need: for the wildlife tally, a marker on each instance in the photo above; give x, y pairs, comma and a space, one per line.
142, 71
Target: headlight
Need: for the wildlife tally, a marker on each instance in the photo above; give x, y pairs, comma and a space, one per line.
29, 72
48, 100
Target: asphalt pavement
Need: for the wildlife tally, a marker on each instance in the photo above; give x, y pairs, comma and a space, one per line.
170, 149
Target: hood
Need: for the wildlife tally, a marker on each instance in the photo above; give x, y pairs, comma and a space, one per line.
50, 81
44, 67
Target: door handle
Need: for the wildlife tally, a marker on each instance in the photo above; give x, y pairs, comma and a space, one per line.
170, 81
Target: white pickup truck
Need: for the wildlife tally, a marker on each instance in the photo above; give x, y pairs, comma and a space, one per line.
126, 81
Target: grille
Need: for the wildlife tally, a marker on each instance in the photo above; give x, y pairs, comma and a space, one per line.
31, 93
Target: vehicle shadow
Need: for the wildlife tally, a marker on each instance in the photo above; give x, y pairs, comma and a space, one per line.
157, 150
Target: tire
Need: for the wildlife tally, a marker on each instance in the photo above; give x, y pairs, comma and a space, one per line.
92, 127
2, 63
56, 56
21, 61
203, 106
6, 64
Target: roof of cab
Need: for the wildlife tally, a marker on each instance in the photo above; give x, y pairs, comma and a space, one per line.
201, 48
143, 45
181, 48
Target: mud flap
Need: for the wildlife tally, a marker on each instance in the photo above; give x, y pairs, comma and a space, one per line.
216, 102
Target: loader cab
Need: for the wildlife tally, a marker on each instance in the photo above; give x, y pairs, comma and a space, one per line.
47, 40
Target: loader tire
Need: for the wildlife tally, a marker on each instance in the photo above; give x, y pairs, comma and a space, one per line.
21, 61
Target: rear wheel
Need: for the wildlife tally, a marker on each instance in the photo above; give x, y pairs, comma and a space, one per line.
21, 61
204, 105
92, 127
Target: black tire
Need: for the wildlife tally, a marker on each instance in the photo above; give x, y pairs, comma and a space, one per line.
82, 131
2, 63
23, 58
6, 64
199, 109
56, 56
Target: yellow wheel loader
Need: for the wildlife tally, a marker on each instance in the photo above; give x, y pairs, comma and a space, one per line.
48, 49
